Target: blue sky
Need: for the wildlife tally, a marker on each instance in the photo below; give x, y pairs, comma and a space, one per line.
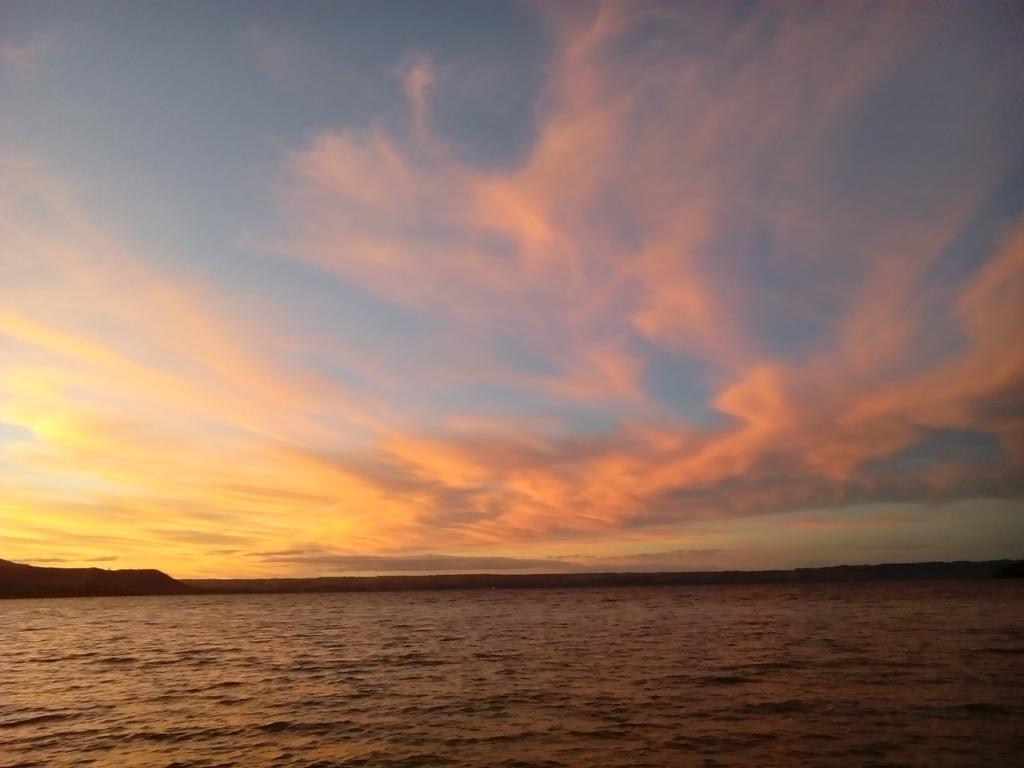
685, 284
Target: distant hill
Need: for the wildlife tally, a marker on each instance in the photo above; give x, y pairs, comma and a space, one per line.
839, 573
1014, 570
18, 580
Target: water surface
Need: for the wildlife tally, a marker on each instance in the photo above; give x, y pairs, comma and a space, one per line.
923, 674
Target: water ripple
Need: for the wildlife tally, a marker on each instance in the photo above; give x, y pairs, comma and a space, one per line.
810, 675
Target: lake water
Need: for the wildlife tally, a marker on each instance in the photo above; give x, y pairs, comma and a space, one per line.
830, 675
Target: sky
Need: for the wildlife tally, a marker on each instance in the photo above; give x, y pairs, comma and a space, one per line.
358, 287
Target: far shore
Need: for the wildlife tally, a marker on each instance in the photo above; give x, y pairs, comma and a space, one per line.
25, 581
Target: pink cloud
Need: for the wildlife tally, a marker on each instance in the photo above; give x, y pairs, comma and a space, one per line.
671, 204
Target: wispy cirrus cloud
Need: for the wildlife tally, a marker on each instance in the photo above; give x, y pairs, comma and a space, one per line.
672, 205
62, 560
751, 262
326, 560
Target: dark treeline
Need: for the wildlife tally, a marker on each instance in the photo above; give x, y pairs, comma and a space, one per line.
895, 571
17, 580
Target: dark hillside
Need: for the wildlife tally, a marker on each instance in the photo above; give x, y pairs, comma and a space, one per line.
839, 573
18, 580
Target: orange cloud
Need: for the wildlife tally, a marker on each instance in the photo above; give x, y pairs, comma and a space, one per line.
607, 231
672, 206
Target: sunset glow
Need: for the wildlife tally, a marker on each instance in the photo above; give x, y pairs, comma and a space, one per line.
563, 286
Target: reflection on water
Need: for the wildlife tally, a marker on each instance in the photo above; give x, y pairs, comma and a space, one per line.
857, 674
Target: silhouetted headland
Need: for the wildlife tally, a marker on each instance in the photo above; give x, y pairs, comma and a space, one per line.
17, 580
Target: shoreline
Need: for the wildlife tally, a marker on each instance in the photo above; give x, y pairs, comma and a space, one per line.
26, 581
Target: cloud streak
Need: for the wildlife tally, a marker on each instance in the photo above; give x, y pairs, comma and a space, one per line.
750, 263
626, 236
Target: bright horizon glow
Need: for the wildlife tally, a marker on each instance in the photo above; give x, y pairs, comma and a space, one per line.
326, 288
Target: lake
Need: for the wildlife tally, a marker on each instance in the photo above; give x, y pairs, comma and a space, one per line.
883, 674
